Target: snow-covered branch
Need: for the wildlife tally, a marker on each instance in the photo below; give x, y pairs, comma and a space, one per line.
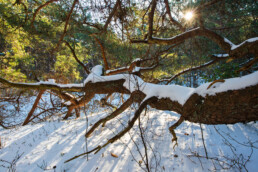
236, 51
170, 97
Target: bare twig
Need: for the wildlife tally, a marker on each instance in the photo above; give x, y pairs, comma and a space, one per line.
206, 153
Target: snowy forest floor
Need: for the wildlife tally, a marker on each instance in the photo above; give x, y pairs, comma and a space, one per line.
47, 145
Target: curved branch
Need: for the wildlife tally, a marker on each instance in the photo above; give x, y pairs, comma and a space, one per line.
195, 68
26, 12
76, 58
236, 51
225, 45
114, 114
27, 120
174, 21
39, 8
66, 24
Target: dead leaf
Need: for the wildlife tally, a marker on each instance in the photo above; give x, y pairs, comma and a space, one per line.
114, 155
229, 60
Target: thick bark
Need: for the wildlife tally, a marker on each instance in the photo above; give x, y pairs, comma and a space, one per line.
224, 108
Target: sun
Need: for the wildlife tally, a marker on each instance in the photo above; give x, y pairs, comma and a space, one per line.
189, 15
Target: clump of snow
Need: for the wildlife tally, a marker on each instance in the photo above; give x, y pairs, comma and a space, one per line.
51, 80
229, 84
233, 46
136, 69
221, 55
44, 82
68, 103
98, 70
114, 70
229, 42
136, 60
248, 40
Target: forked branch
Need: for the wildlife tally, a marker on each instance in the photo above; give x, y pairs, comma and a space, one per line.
124, 131
114, 114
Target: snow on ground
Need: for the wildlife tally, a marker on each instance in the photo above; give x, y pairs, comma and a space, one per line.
48, 144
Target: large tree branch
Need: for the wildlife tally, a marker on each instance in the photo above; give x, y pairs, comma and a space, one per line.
236, 51
212, 106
